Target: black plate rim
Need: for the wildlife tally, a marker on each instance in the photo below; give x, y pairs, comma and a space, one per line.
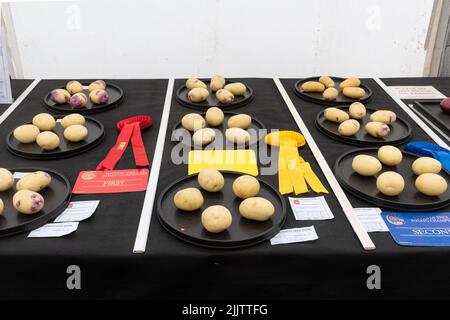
438, 122
354, 142
199, 106
58, 155
43, 219
101, 108
260, 124
306, 97
383, 203
227, 244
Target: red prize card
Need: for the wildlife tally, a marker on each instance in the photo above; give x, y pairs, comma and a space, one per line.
111, 181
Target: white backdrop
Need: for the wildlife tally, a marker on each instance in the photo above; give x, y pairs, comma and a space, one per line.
261, 38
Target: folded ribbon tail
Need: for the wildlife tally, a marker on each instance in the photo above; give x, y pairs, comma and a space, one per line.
140, 156
312, 179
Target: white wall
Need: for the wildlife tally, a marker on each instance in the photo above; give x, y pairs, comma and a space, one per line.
162, 38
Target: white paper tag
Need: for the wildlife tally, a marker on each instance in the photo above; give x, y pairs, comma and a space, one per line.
20, 175
295, 235
58, 120
371, 219
78, 211
416, 92
311, 208
54, 230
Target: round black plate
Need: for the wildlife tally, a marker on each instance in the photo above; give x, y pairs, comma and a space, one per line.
65, 149
56, 198
115, 98
185, 136
242, 233
316, 97
400, 131
365, 187
212, 100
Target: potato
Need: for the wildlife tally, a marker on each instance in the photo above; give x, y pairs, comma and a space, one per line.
327, 81
384, 116
426, 165
97, 85
195, 83
330, 94
377, 129
313, 86
390, 155
47, 140
76, 133
335, 115
74, 87
350, 82
35, 181
237, 135
2, 206
236, 88
224, 96
26, 133
211, 180
216, 219
44, 121
357, 110
193, 122
214, 116
28, 202
203, 136
217, 82
242, 121
354, 92
97, 96
198, 94
246, 186
366, 165
189, 199
431, 184
390, 183
72, 119
60, 96
6, 179
256, 208
349, 127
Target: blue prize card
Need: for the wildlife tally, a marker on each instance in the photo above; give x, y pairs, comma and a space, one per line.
419, 229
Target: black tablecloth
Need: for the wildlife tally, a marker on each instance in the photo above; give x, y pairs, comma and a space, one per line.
17, 87
102, 246
334, 266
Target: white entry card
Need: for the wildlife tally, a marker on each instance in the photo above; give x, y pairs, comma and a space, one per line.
371, 219
311, 208
54, 230
416, 92
78, 211
295, 235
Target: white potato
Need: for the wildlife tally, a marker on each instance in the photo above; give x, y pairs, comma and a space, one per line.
216, 219
256, 208
189, 199
246, 186
211, 180
366, 165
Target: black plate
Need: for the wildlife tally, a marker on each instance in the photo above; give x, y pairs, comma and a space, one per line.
242, 233
56, 199
96, 133
432, 108
365, 187
316, 97
212, 100
185, 137
115, 98
400, 131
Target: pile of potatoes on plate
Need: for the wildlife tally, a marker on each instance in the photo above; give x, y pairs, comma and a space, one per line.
377, 127
237, 126
350, 88
225, 93
41, 130
26, 200
74, 95
218, 218
390, 183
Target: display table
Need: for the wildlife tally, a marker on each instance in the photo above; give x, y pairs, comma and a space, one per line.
17, 87
334, 266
